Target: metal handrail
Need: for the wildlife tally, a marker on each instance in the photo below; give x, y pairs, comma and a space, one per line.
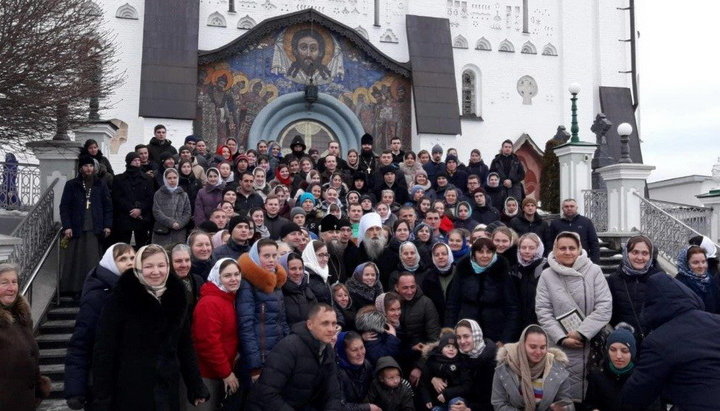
672, 203
40, 263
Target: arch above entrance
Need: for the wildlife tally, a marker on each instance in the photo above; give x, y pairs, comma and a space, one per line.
290, 108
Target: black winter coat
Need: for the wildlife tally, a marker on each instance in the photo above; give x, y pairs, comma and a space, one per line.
482, 370
585, 229
479, 169
458, 378
681, 355
432, 289
132, 189
526, 281
604, 388
495, 197
299, 374
509, 167
486, 214
96, 291
522, 225
157, 148
488, 298
628, 299
298, 300
419, 320
72, 206
142, 346
354, 387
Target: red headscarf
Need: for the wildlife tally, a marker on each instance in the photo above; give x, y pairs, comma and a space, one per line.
285, 181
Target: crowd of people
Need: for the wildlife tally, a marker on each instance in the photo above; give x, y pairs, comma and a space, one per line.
262, 281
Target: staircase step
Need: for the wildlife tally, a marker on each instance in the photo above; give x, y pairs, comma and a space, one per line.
53, 405
56, 370
52, 355
57, 326
57, 389
63, 313
46, 341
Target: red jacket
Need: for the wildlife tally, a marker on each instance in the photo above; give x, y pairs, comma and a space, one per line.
214, 331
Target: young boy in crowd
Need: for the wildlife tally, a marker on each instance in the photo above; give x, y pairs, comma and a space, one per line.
443, 362
389, 390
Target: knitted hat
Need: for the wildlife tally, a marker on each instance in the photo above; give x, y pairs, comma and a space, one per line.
387, 169
83, 160
129, 157
297, 210
241, 157
415, 189
624, 336
492, 226
313, 151
451, 157
184, 148
529, 200
191, 138
235, 221
306, 196
366, 139
208, 226
448, 339
437, 149
288, 228
344, 222
479, 190
329, 223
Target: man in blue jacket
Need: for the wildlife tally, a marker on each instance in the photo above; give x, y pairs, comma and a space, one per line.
680, 358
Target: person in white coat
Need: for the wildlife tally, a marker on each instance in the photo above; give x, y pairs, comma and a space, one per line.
573, 285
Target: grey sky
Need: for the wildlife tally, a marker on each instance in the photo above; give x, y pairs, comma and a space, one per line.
679, 86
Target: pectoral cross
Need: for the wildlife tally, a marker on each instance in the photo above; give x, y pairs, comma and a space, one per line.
87, 204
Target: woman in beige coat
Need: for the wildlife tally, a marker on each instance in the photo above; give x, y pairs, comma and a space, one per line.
573, 283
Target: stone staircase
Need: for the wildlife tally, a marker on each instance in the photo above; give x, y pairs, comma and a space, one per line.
53, 338
610, 258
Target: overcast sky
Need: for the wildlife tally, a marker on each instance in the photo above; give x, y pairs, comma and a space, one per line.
679, 86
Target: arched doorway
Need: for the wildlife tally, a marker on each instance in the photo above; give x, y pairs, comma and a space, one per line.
315, 133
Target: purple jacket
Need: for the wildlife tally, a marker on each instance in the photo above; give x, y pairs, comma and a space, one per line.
206, 201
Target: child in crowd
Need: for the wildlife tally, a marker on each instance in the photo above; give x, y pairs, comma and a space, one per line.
443, 362
389, 390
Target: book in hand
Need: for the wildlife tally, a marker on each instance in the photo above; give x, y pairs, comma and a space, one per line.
570, 321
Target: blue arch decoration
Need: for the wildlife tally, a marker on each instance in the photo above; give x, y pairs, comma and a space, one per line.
289, 108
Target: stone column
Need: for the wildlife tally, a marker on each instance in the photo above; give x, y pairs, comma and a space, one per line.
623, 181
712, 200
58, 159
7, 246
575, 171
100, 131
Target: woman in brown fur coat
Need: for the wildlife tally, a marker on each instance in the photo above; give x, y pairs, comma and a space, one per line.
21, 386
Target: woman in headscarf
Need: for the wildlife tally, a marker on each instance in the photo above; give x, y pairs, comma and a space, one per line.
298, 296
410, 166
189, 182
316, 257
143, 342
482, 290
282, 176
693, 272
379, 325
422, 238
391, 257
21, 386
477, 166
275, 154
464, 217
510, 210
208, 197
364, 285
710, 252
573, 283
628, 283
421, 179
458, 244
354, 372
214, 331
260, 184
180, 265
99, 283
530, 376
201, 256
505, 240
259, 305
411, 262
525, 275
92, 149
171, 209
478, 355
344, 305
439, 277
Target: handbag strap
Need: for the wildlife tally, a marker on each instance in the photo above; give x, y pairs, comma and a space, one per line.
632, 306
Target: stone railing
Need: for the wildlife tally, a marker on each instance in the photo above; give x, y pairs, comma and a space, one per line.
19, 185
668, 233
696, 217
37, 231
596, 208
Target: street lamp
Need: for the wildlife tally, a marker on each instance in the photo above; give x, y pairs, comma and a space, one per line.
574, 89
624, 130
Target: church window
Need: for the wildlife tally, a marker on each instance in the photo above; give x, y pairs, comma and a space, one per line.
483, 44
468, 93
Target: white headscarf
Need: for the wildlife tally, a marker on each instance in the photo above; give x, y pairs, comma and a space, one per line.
310, 260
165, 181
367, 221
108, 261
451, 258
214, 276
709, 247
154, 290
477, 336
538, 252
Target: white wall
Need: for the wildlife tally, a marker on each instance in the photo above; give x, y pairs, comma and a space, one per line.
585, 34
683, 192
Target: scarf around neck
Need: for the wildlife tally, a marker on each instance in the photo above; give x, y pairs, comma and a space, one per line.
701, 281
214, 276
310, 260
478, 269
155, 290
518, 362
477, 336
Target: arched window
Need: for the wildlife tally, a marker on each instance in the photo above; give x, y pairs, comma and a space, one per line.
469, 85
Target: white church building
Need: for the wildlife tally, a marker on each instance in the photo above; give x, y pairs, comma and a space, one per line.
461, 73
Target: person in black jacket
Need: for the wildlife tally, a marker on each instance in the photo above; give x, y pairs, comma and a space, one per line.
476, 165
525, 274
583, 226
300, 372
483, 290
681, 354
160, 145
143, 342
483, 212
132, 195
529, 221
510, 170
298, 296
355, 373
99, 283
478, 355
444, 362
629, 282
437, 280
693, 272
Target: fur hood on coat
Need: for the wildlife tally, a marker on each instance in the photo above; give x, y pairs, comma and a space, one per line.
260, 278
18, 312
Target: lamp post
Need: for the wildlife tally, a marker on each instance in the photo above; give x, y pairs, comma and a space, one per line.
624, 130
574, 89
